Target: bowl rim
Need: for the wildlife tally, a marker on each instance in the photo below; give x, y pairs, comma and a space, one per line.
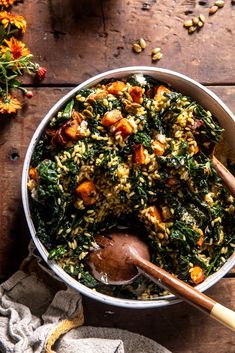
121, 302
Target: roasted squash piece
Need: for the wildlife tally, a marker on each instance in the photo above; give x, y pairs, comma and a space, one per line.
124, 127
160, 92
71, 128
139, 156
115, 87
201, 239
155, 212
197, 275
111, 117
76, 115
87, 192
158, 148
96, 96
33, 173
136, 93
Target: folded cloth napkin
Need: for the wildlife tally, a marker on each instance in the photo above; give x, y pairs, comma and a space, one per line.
39, 313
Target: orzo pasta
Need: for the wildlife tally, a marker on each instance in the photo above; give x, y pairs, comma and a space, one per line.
132, 152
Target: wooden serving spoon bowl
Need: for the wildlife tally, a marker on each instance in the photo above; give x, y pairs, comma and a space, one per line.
122, 256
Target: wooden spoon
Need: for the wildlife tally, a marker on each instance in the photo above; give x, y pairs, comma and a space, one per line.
227, 177
122, 256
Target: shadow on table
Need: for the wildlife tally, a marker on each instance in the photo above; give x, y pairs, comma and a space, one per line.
180, 327
15, 249
83, 15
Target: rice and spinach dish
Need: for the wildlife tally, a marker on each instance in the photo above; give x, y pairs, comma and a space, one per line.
132, 152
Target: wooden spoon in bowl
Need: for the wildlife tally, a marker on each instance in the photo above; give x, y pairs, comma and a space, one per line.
227, 177
122, 256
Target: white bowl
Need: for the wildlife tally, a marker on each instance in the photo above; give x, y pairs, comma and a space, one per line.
180, 83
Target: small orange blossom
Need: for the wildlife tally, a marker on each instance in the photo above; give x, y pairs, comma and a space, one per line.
16, 48
9, 104
18, 21
7, 3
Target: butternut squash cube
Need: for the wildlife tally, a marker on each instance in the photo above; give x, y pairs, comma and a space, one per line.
96, 96
87, 192
197, 275
139, 156
111, 117
124, 127
33, 173
115, 87
155, 212
136, 94
158, 148
71, 129
160, 92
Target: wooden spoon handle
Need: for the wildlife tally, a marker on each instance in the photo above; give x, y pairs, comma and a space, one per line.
224, 173
186, 292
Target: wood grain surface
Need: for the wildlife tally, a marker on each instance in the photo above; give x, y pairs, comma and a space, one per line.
180, 327
75, 40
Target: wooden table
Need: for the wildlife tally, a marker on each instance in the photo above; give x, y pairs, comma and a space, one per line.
75, 40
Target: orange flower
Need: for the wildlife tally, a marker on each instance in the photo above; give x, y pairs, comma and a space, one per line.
16, 48
7, 3
9, 105
18, 21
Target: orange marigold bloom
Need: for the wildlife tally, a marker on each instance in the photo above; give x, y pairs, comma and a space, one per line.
7, 3
9, 104
16, 48
18, 21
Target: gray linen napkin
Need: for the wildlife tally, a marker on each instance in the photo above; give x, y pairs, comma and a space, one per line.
38, 313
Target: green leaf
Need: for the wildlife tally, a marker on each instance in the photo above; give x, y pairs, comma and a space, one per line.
66, 114
4, 72
15, 83
8, 55
68, 110
9, 78
57, 253
48, 186
143, 138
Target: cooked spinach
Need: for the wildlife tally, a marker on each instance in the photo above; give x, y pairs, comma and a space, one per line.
174, 199
48, 185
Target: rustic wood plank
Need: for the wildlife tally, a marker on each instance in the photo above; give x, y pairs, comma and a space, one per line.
180, 328
77, 39
15, 135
